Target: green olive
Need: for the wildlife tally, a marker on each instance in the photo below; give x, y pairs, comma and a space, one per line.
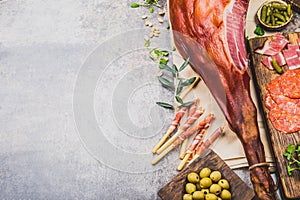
215, 189
205, 191
193, 177
225, 195
205, 172
198, 195
215, 176
190, 188
205, 182
187, 197
211, 197
224, 183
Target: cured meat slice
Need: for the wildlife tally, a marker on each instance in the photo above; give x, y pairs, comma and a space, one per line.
283, 101
269, 102
211, 34
292, 58
267, 61
273, 46
285, 118
293, 46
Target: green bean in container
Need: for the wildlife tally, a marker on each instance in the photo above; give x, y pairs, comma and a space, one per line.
263, 13
289, 9
280, 17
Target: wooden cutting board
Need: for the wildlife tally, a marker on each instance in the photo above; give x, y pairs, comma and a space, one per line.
279, 141
174, 190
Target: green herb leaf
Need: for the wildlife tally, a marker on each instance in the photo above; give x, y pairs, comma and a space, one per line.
179, 87
164, 53
163, 61
165, 82
173, 48
134, 5
151, 10
165, 105
166, 67
289, 170
183, 66
157, 52
187, 104
168, 26
189, 81
147, 43
259, 30
178, 99
291, 148
174, 67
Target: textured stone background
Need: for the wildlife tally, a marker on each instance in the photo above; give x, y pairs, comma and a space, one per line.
43, 45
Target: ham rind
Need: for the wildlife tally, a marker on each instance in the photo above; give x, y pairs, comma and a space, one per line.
267, 61
273, 46
291, 58
211, 34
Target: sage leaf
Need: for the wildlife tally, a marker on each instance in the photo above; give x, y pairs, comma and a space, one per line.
187, 104
183, 66
178, 99
165, 105
165, 82
189, 81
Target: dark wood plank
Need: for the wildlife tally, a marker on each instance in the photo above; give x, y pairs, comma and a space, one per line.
279, 141
174, 190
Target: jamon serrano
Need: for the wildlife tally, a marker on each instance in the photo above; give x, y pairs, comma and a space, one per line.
211, 33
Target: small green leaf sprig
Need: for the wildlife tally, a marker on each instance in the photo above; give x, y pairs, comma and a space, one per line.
178, 84
292, 154
148, 3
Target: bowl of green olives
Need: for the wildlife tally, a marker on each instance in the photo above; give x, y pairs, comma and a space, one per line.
274, 14
206, 178
207, 184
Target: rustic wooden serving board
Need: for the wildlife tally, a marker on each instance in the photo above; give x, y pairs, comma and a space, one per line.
174, 190
279, 141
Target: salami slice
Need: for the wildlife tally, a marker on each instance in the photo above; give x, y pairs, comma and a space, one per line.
283, 101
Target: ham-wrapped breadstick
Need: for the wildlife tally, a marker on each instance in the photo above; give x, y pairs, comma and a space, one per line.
198, 139
190, 121
180, 138
192, 110
205, 145
172, 127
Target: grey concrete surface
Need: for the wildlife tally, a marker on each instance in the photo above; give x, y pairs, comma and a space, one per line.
43, 46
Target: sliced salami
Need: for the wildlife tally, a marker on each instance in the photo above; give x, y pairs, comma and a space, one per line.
283, 101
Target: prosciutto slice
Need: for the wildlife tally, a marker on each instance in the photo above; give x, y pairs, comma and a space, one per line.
211, 34
267, 61
291, 55
274, 45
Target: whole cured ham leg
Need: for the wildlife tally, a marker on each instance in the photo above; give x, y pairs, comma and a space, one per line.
211, 33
